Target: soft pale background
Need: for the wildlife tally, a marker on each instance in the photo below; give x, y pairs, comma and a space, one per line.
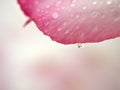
21, 48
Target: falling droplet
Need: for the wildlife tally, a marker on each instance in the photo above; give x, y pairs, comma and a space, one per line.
80, 45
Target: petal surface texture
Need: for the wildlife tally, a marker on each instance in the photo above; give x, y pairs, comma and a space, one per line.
75, 21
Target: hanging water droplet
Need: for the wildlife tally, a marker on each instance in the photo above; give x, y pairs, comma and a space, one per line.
80, 45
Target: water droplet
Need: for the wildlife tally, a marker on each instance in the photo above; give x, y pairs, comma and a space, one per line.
55, 15
81, 45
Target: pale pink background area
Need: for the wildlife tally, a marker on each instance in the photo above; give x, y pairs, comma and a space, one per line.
23, 50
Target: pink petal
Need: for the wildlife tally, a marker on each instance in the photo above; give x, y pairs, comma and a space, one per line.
75, 21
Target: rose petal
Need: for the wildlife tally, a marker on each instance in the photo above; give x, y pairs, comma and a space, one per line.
75, 21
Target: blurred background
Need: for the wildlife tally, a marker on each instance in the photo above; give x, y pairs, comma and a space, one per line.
30, 60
